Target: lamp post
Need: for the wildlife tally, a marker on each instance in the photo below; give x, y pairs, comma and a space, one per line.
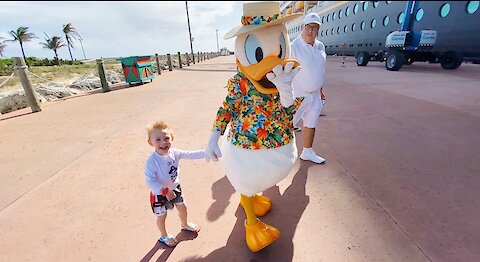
218, 50
80, 38
190, 33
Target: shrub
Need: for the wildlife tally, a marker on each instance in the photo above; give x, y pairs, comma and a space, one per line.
6, 67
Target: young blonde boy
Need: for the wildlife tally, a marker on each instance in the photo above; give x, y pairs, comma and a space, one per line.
162, 176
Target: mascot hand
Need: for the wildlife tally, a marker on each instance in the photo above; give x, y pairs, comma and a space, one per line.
213, 151
282, 78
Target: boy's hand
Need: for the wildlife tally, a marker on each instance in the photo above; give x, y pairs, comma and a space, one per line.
170, 195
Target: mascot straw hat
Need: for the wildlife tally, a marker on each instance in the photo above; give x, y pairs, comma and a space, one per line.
258, 15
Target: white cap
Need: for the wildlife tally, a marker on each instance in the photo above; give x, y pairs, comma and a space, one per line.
312, 18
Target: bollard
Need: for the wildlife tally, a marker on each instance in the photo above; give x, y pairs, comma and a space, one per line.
193, 57
198, 56
179, 60
188, 59
343, 61
159, 70
169, 62
21, 71
101, 74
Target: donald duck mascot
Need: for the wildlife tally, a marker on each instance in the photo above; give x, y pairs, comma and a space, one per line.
260, 148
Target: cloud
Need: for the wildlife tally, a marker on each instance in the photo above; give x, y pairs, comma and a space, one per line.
112, 29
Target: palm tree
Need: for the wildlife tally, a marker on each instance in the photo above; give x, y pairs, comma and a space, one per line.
22, 35
70, 33
54, 43
2, 46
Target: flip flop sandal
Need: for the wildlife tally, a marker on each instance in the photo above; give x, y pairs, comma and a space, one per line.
192, 228
168, 241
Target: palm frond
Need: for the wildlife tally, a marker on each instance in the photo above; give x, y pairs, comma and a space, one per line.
70, 33
53, 43
22, 35
2, 46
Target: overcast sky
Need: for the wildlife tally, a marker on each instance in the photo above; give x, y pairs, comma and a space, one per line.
114, 29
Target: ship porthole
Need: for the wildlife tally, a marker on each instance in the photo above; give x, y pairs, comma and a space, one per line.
333, 16
362, 25
374, 23
347, 11
472, 6
419, 14
345, 29
375, 4
355, 9
445, 10
401, 17
386, 20
365, 6
353, 27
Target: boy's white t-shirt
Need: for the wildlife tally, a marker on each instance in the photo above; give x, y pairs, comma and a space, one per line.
162, 171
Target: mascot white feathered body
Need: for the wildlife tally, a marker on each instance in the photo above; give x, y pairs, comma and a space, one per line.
260, 149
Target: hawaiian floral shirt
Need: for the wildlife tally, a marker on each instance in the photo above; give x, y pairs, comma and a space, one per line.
259, 121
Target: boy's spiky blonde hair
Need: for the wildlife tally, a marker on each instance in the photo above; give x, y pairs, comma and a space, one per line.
158, 125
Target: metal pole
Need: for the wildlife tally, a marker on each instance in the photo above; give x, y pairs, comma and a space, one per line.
21, 72
189, 31
82, 48
217, 42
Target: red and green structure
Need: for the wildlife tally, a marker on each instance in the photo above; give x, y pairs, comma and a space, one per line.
137, 69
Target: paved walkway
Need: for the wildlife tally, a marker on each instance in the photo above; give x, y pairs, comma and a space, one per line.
400, 183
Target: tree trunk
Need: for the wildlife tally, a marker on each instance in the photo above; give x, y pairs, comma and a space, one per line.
23, 52
56, 57
68, 44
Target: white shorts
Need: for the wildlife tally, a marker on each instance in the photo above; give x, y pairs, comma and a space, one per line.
309, 111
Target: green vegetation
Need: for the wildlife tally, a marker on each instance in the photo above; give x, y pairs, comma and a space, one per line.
45, 69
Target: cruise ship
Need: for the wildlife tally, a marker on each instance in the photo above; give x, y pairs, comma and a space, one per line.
395, 32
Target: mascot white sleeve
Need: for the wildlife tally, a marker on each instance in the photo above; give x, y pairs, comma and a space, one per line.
259, 148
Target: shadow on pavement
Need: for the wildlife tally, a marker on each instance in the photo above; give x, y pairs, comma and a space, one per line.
182, 236
287, 209
222, 190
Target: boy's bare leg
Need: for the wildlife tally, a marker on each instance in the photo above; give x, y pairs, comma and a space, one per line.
182, 214
161, 225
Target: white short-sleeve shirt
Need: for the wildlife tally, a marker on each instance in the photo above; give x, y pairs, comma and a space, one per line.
312, 59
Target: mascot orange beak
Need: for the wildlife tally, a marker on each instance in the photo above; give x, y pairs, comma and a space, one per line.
257, 73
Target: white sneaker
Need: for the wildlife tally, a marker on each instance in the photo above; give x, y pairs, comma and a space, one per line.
309, 155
